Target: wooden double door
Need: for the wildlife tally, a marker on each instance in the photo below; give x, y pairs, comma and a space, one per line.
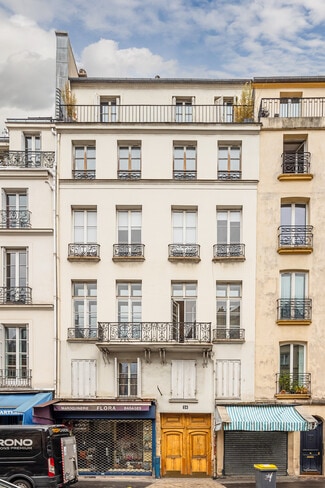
185, 445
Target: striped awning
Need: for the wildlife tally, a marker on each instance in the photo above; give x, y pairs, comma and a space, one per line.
264, 418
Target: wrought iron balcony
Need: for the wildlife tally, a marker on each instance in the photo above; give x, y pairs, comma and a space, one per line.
15, 219
295, 236
155, 332
86, 333
229, 175
15, 295
27, 159
83, 251
129, 175
128, 251
15, 378
184, 251
227, 251
294, 309
184, 175
296, 163
223, 334
158, 114
292, 107
84, 174
293, 384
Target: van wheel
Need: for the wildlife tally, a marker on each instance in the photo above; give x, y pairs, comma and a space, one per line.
22, 483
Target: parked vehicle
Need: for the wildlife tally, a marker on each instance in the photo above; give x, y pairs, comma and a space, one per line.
38, 456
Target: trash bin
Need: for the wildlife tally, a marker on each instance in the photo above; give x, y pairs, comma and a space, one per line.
265, 475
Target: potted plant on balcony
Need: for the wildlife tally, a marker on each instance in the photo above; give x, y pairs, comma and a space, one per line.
69, 100
244, 108
285, 385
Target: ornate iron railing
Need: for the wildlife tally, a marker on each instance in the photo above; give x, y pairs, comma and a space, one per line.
295, 236
293, 383
184, 175
86, 333
84, 174
134, 174
83, 250
229, 250
296, 163
292, 107
184, 250
158, 114
229, 175
15, 219
128, 250
15, 378
155, 332
228, 334
15, 294
27, 159
295, 309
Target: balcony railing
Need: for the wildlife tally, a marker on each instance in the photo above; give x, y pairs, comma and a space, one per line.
27, 159
15, 294
86, 333
184, 251
184, 175
157, 114
293, 383
129, 175
128, 251
296, 163
83, 250
155, 332
295, 309
84, 174
223, 334
292, 107
229, 175
15, 378
295, 236
229, 251
15, 219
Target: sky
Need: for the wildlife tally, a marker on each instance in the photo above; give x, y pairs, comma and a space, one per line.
144, 38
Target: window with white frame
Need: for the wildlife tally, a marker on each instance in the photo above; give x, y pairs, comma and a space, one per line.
129, 161
183, 379
228, 379
294, 286
184, 226
128, 378
129, 226
228, 297
32, 150
184, 109
85, 161
83, 378
290, 104
16, 275
84, 298
293, 230
15, 213
129, 309
229, 161
184, 161
184, 297
228, 232
15, 354
225, 109
85, 226
292, 359
109, 109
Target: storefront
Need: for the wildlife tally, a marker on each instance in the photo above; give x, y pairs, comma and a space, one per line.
112, 437
17, 409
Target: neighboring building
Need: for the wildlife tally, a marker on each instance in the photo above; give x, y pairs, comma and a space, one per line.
27, 291
290, 260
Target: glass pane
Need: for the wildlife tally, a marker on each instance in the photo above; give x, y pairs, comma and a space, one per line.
177, 290
300, 215
123, 311
190, 289
286, 214
92, 289
221, 290
123, 289
136, 289
299, 291
285, 285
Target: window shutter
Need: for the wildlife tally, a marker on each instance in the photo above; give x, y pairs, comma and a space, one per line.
189, 373
83, 372
177, 379
228, 379
183, 379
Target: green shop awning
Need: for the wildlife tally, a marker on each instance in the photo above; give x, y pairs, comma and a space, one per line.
263, 418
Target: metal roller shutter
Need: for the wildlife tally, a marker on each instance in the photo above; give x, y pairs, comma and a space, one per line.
244, 449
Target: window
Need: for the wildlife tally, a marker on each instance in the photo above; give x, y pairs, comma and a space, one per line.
83, 378
184, 109
129, 309
32, 150
84, 297
228, 379
129, 226
293, 228
228, 297
229, 162
295, 158
108, 109
16, 276
293, 295
184, 226
16, 213
85, 161
185, 162
128, 378
228, 233
184, 296
225, 109
16, 353
183, 379
85, 226
290, 104
292, 359
129, 161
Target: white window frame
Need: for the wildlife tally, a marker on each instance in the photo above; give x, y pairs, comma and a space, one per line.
183, 379
132, 157
233, 224
85, 226
229, 298
109, 109
20, 366
87, 318
231, 157
117, 363
184, 232
131, 226
183, 109
289, 358
84, 157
